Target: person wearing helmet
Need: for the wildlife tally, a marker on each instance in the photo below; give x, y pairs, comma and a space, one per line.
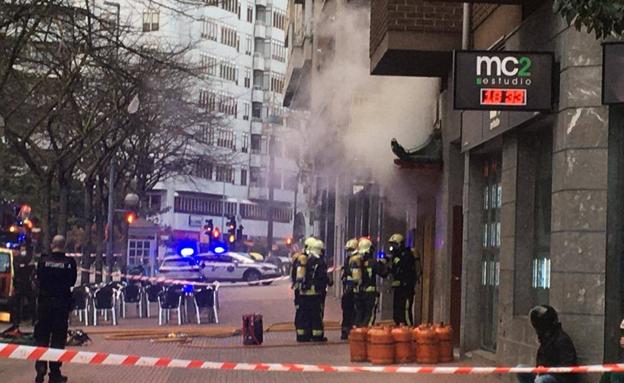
297, 276
324, 278
313, 288
348, 284
367, 294
405, 274
615, 377
556, 348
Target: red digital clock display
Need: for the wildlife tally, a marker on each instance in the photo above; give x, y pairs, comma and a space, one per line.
503, 97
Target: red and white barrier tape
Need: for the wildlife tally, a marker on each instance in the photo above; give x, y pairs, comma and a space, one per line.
20, 352
92, 255
170, 281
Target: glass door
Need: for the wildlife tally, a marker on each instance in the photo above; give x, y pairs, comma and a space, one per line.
491, 241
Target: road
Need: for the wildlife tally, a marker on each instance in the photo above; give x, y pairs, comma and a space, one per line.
274, 302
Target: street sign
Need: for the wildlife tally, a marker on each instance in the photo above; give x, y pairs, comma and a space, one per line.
514, 81
612, 73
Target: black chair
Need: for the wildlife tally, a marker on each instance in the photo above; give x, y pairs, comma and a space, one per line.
169, 299
152, 292
80, 300
132, 293
104, 300
205, 299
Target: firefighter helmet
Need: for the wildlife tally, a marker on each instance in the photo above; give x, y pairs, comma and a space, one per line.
365, 246
351, 246
308, 242
316, 248
397, 238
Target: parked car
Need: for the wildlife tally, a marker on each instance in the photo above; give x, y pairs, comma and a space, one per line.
180, 268
234, 267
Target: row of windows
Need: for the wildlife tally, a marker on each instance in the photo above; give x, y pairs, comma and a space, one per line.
278, 51
218, 102
228, 71
203, 205
229, 36
224, 138
261, 212
210, 29
277, 82
203, 168
279, 20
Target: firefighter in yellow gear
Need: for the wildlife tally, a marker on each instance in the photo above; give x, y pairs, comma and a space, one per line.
348, 285
297, 276
313, 290
405, 271
365, 270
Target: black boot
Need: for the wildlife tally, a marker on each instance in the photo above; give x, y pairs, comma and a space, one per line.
57, 378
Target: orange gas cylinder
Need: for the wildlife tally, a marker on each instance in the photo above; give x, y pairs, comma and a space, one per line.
357, 344
380, 346
445, 336
425, 344
402, 344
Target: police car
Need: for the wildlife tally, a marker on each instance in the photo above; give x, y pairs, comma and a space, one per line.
178, 267
232, 267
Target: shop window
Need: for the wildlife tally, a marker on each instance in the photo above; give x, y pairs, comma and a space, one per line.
533, 221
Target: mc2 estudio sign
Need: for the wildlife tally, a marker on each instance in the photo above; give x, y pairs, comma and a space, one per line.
514, 81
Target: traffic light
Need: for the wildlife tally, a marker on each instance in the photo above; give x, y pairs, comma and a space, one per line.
289, 241
216, 233
231, 225
232, 238
130, 217
239, 232
209, 226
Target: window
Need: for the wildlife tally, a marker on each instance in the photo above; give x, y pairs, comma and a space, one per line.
202, 168
246, 108
490, 250
277, 82
225, 174
228, 104
250, 13
138, 252
256, 110
228, 71
533, 221
279, 20
206, 134
248, 45
278, 51
210, 29
256, 143
196, 203
209, 64
208, 100
245, 143
229, 37
154, 201
211, 2
226, 139
151, 20
230, 5
247, 78
243, 180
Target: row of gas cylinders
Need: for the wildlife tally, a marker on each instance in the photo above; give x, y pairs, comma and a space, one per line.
424, 344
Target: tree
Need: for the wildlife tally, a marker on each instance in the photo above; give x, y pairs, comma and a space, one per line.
604, 17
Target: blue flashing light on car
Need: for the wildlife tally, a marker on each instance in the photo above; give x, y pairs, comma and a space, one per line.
187, 251
219, 249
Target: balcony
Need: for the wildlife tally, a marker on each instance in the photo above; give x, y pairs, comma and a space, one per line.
256, 127
257, 95
260, 30
258, 62
298, 72
416, 38
261, 193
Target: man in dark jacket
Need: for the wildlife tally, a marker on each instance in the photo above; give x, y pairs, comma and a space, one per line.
556, 348
56, 275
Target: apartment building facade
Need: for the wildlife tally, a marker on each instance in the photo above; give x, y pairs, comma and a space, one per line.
240, 47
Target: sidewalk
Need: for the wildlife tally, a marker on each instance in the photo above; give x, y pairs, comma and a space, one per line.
276, 306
